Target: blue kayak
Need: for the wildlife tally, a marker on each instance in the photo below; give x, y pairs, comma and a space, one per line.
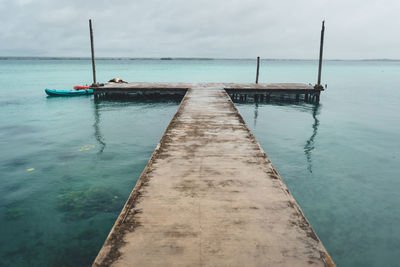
52, 92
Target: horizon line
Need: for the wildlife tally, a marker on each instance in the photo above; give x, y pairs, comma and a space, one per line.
183, 58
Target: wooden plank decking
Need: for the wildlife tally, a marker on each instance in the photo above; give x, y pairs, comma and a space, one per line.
300, 88
209, 196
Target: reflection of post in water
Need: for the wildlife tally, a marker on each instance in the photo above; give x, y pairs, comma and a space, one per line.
97, 133
255, 113
309, 147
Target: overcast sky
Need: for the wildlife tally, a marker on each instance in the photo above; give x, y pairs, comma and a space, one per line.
355, 29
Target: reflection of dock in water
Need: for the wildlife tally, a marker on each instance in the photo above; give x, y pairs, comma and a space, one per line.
209, 195
96, 126
309, 147
255, 114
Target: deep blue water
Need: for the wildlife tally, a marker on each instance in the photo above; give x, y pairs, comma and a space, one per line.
67, 165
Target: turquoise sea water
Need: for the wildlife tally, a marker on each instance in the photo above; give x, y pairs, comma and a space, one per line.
67, 165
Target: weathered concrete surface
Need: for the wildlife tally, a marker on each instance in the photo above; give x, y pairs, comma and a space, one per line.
209, 196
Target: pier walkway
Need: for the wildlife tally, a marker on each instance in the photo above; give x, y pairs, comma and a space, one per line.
209, 196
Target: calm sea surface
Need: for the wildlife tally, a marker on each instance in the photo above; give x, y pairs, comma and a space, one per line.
67, 165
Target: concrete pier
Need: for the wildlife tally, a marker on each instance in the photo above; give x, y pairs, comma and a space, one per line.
209, 196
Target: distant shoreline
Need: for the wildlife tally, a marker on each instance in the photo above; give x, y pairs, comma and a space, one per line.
179, 58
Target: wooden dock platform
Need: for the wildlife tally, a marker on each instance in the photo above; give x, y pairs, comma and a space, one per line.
209, 195
261, 92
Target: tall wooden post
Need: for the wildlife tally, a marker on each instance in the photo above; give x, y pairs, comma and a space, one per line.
258, 68
92, 48
321, 49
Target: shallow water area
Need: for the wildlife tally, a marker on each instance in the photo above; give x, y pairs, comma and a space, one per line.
66, 178
67, 165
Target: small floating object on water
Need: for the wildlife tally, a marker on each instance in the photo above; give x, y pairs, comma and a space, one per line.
52, 92
80, 87
86, 147
30, 169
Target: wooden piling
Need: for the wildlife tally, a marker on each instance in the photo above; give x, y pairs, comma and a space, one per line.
321, 49
92, 48
258, 69
268, 97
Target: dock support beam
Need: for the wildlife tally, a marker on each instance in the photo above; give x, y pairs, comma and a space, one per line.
258, 69
92, 48
321, 49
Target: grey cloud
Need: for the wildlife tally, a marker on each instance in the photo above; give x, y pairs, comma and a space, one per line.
208, 28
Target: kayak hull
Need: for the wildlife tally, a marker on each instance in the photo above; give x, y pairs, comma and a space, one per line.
52, 92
